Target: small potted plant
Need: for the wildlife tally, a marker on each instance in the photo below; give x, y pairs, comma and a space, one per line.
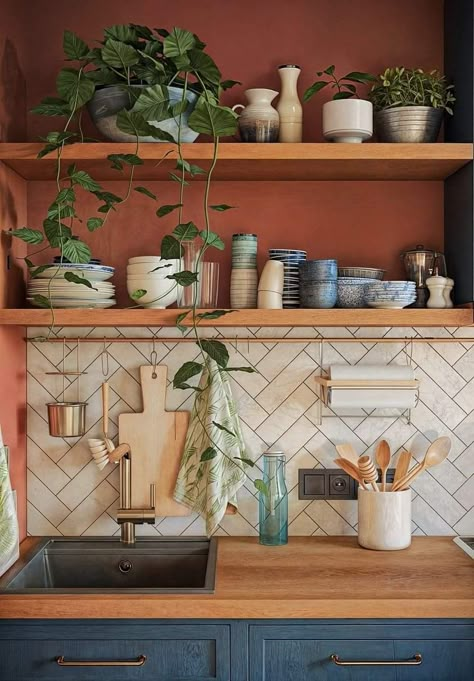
409, 104
346, 118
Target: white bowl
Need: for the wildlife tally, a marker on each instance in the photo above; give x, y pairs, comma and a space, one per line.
166, 267
159, 292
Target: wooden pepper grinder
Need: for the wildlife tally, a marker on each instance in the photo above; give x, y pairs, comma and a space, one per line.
289, 106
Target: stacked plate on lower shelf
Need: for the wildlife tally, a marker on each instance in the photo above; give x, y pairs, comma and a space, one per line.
390, 294
61, 293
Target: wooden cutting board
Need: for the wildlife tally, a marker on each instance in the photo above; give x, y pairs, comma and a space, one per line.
156, 438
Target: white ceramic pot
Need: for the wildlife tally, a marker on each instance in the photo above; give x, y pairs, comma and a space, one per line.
272, 276
347, 120
144, 258
145, 268
384, 519
159, 292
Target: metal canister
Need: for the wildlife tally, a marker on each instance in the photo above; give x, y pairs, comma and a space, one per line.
67, 419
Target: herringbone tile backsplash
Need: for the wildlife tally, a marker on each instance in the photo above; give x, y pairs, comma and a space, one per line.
68, 495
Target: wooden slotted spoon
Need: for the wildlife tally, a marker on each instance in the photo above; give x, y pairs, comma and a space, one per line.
382, 457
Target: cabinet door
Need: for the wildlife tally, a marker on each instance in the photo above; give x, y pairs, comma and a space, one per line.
443, 660
173, 653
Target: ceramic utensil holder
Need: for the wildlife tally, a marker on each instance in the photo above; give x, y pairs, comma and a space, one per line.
384, 519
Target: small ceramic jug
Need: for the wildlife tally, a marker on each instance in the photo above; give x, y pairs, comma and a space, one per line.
436, 286
259, 121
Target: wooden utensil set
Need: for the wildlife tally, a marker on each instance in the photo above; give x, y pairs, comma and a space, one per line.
364, 471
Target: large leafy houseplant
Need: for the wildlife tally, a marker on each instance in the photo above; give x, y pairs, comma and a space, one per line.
154, 58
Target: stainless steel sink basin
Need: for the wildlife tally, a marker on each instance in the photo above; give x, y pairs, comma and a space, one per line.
105, 565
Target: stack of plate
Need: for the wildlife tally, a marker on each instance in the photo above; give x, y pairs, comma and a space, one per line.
244, 277
64, 294
291, 259
391, 294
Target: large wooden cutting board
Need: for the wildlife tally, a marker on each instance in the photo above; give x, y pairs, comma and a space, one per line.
156, 438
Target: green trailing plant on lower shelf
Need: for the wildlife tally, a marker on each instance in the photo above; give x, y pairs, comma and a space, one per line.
155, 58
400, 86
343, 88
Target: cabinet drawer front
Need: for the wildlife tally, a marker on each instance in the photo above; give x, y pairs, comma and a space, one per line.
201, 655
442, 660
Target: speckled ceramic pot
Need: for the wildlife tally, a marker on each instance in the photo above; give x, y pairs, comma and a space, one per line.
259, 121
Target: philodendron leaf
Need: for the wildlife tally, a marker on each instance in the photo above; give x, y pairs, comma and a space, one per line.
42, 301
202, 64
216, 350
30, 236
74, 47
129, 159
52, 106
185, 372
181, 317
212, 239
221, 207
184, 278
94, 223
261, 486
134, 124
146, 192
83, 179
208, 454
219, 426
177, 178
56, 232
73, 86
171, 249
167, 208
36, 272
247, 462
75, 279
182, 164
76, 250
119, 55
139, 293
212, 119
124, 33
227, 84
214, 314
313, 89
186, 231
66, 195
247, 370
154, 103
178, 42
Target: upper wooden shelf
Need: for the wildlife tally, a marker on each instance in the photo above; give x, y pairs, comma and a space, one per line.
255, 318
255, 161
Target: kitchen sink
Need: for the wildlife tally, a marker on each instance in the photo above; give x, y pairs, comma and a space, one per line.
106, 565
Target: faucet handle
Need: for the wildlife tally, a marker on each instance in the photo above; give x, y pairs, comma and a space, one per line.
152, 496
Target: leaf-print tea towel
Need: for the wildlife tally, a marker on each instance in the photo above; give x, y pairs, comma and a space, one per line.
212, 466
9, 539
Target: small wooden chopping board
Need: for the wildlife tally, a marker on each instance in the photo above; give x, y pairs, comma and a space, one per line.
156, 438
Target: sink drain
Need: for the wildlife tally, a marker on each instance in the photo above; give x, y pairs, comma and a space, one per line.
125, 566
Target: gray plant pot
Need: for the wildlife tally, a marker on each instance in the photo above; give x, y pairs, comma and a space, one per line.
408, 124
107, 102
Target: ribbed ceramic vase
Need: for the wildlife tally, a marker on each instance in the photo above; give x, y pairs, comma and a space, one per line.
259, 121
289, 105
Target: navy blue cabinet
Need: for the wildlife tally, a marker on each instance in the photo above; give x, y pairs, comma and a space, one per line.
257, 650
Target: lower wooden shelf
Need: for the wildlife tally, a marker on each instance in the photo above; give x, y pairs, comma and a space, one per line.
462, 316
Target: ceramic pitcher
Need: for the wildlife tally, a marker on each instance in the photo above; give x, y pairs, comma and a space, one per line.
259, 121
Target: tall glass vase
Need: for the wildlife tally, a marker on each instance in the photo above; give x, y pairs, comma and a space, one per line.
273, 501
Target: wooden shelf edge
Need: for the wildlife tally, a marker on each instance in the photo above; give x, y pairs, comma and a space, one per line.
456, 317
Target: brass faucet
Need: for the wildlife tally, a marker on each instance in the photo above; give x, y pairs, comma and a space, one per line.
128, 517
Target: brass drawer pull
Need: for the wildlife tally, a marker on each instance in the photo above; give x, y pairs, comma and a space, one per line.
139, 662
412, 662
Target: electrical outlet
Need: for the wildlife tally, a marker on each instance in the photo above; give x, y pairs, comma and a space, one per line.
329, 483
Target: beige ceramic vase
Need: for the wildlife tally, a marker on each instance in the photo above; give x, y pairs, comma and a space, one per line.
289, 106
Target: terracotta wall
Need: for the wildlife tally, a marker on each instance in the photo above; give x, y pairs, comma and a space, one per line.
13, 214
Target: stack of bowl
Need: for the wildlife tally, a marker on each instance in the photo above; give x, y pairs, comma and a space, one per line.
391, 294
351, 291
318, 283
148, 273
291, 259
244, 277
270, 286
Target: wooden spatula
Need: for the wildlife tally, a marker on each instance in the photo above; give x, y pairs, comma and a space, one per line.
403, 464
347, 451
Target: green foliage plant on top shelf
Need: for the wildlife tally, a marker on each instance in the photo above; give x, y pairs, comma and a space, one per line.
157, 59
409, 104
346, 118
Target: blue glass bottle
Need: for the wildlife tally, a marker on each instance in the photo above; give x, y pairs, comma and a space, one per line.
273, 501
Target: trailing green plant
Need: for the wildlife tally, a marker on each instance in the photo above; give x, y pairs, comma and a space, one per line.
400, 86
344, 87
131, 55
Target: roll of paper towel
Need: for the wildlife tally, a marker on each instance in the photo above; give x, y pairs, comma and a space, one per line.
373, 398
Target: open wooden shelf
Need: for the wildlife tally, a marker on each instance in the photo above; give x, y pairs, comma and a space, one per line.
237, 161
254, 318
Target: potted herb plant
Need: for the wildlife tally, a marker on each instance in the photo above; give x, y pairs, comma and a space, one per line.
409, 104
346, 118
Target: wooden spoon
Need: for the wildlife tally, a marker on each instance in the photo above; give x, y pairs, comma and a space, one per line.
347, 451
351, 469
382, 457
437, 452
403, 464
368, 472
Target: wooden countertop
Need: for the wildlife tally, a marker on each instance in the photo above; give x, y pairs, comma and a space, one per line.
311, 577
